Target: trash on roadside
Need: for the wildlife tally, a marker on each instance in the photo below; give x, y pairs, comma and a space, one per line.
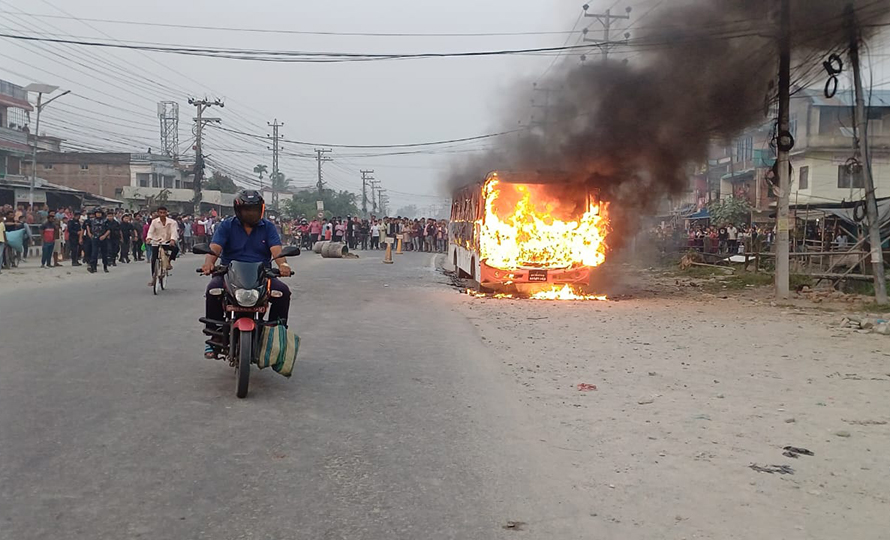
514, 526
585, 387
799, 451
772, 469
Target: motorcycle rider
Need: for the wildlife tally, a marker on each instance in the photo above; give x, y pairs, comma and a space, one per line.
246, 237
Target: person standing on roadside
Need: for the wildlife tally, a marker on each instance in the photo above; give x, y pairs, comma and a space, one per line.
314, 231
145, 227
99, 232
733, 238
114, 240
75, 238
50, 232
128, 233
2, 241
187, 234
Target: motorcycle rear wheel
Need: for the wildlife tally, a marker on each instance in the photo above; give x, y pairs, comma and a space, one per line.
242, 369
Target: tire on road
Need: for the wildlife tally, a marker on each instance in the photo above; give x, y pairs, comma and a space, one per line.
242, 372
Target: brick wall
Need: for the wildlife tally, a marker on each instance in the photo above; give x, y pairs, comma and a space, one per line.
104, 173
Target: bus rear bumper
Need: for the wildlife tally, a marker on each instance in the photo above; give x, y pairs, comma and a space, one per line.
498, 278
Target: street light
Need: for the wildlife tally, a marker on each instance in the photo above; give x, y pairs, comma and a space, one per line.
40, 89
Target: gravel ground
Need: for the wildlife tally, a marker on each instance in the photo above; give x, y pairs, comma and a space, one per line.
692, 389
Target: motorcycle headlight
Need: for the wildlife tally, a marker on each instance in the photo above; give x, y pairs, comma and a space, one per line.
247, 297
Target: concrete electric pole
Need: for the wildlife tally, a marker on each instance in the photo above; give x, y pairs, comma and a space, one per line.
606, 20
201, 105
366, 179
785, 143
40, 89
275, 171
320, 156
375, 185
862, 156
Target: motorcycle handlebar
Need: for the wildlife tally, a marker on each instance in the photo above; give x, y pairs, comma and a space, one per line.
271, 272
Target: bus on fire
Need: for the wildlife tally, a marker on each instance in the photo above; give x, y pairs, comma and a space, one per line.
527, 233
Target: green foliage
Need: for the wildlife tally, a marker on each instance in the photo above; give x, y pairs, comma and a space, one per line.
409, 211
336, 203
260, 170
221, 182
729, 210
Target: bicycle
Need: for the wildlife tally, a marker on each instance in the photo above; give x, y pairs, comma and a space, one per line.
159, 271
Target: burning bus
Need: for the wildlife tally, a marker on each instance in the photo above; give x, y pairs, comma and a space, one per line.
528, 233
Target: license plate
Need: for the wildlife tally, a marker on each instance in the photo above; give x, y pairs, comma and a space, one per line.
246, 309
537, 276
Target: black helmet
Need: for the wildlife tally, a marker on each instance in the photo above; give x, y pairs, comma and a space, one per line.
98, 210
249, 206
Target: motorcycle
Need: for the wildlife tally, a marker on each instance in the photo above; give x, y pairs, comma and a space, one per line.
245, 296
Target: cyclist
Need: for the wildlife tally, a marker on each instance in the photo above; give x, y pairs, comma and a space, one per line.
163, 232
247, 237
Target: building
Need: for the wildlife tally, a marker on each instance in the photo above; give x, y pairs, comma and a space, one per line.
823, 147
107, 174
14, 117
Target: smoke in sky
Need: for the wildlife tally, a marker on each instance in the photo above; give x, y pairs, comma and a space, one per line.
700, 71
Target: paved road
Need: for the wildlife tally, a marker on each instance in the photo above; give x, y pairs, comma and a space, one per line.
395, 426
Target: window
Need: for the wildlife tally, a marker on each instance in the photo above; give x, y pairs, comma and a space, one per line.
47, 166
846, 179
804, 181
875, 122
142, 179
744, 149
84, 166
792, 125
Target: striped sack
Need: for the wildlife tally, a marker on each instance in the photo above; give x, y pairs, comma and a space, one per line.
278, 349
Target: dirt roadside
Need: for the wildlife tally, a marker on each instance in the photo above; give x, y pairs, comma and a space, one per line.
694, 388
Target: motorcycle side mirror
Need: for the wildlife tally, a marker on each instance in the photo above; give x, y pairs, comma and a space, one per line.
290, 251
202, 249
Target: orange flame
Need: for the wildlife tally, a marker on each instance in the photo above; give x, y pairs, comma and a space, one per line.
525, 226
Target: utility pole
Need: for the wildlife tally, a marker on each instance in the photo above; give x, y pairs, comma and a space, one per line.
606, 20
275, 172
785, 143
168, 114
320, 156
40, 89
384, 199
366, 179
863, 156
375, 185
201, 105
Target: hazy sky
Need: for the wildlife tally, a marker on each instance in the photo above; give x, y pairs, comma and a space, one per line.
389, 102
114, 92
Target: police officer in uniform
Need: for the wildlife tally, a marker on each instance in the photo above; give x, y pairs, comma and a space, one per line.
74, 231
99, 234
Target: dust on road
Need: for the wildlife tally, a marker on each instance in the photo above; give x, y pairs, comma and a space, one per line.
691, 391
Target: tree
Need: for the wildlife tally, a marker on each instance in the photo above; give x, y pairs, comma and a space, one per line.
409, 211
221, 182
729, 210
260, 170
336, 203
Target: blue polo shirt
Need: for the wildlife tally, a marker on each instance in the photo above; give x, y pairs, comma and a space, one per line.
239, 246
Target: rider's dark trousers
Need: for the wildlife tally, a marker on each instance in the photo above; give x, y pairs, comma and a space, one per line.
278, 310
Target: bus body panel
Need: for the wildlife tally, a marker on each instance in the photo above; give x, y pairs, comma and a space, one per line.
468, 209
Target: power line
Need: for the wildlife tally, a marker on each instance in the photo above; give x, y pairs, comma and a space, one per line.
305, 32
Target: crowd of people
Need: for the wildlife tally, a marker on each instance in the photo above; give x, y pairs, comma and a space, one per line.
422, 234
92, 236
117, 236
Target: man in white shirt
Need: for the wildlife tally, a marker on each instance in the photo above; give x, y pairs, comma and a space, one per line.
162, 232
733, 238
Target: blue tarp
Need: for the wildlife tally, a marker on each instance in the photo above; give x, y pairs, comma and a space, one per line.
701, 214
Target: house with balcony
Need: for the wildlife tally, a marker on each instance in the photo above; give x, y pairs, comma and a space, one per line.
823, 132
14, 116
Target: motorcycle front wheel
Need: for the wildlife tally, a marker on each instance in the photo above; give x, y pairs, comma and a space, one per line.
242, 370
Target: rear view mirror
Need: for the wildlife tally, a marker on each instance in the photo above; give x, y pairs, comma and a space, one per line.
289, 251
202, 249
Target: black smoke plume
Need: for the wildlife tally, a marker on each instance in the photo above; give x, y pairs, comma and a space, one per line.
705, 71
